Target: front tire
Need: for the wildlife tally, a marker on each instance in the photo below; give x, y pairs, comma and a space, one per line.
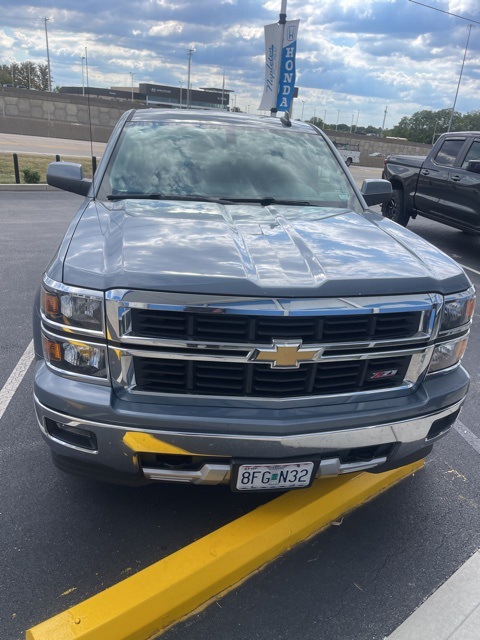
394, 209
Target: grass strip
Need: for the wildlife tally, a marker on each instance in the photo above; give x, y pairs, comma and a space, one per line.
35, 162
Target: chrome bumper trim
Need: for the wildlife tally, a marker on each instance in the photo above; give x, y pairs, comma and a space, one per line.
229, 445
220, 473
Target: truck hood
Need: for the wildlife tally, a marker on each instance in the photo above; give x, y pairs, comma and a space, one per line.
247, 249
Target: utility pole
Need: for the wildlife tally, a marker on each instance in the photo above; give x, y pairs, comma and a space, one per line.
83, 77
48, 56
190, 53
131, 74
384, 118
460, 78
455, 15
223, 90
180, 82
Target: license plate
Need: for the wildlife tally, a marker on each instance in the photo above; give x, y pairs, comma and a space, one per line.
285, 475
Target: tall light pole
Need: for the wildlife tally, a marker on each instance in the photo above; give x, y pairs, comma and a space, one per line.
180, 82
190, 54
303, 108
455, 15
324, 118
131, 74
384, 118
83, 76
460, 77
338, 116
48, 56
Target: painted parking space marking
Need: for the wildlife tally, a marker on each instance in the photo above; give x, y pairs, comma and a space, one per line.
15, 378
469, 436
470, 269
145, 604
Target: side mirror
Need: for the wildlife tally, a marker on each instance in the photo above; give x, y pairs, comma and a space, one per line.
473, 166
376, 191
69, 177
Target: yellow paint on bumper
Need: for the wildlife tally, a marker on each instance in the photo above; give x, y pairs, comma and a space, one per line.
141, 606
145, 443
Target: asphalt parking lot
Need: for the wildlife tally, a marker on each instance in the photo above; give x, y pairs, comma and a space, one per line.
64, 539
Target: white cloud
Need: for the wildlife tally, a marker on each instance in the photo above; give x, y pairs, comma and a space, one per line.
359, 55
166, 28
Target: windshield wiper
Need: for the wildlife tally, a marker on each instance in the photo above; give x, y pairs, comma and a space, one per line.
161, 196
266, 201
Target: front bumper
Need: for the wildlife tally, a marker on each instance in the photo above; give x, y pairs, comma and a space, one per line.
137, 443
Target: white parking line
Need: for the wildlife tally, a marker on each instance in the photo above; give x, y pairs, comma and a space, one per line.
470, 269
467, 435
17, 375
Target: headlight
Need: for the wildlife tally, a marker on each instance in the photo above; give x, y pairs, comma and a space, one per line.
75, 357
457, 310
456, 317
80, 310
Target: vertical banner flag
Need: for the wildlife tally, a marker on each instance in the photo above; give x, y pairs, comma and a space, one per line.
273, 52
280, 50
287, 66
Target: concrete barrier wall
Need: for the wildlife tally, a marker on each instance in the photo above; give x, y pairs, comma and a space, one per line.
372, 144
59, 115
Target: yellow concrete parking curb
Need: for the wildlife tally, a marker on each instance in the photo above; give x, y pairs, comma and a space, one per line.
143, 605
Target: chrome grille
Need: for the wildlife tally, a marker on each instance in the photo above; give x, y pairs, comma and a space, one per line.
220, 346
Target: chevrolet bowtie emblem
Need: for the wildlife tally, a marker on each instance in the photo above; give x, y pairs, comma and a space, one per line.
285, 354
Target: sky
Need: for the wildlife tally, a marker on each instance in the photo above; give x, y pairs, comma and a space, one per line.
359, 62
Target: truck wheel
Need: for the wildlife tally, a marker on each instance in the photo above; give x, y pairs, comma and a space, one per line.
348, 162
394, 209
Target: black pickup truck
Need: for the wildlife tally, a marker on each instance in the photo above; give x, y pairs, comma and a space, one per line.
443, 186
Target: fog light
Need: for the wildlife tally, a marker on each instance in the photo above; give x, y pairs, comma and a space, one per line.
73, 436
447, 354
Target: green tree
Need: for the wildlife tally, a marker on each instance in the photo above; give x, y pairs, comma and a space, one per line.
43, 77
27, 75
318, 122
5, 74
471, 121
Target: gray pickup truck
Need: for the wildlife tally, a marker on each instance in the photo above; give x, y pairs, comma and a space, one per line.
225, 308
443, 186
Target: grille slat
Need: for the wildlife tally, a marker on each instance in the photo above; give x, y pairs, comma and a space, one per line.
251, 379
221, 327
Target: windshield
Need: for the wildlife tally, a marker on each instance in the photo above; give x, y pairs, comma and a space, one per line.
199, 160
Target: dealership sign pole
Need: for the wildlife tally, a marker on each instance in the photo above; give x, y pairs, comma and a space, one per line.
280, 51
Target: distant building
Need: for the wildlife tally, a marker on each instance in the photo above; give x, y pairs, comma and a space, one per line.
159, 95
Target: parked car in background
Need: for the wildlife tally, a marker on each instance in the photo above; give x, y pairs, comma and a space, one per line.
225, 308
443, 186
